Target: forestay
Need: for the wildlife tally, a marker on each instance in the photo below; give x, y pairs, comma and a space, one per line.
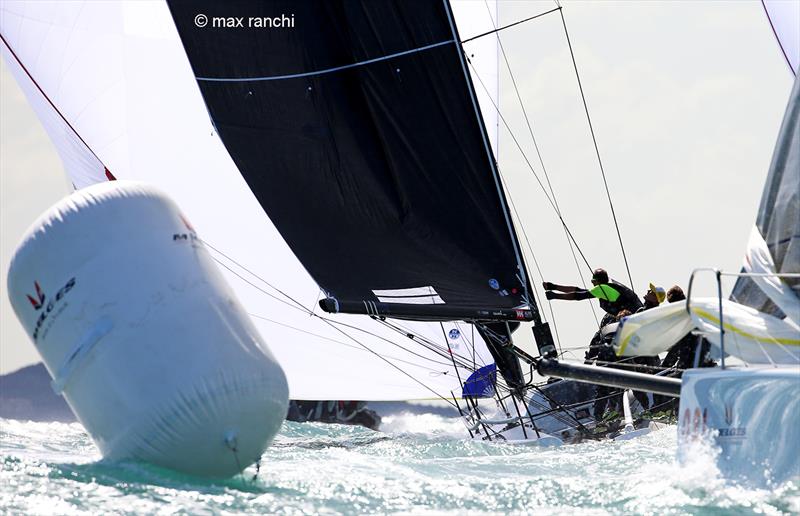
111, 84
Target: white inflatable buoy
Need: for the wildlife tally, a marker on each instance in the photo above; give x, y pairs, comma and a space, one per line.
143, 336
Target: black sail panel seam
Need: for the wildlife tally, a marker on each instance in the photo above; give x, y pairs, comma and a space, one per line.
326, 70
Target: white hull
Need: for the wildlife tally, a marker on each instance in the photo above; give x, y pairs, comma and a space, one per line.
752, 415
517, 434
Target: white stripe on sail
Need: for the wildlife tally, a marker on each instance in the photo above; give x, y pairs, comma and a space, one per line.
416, 300
407, 292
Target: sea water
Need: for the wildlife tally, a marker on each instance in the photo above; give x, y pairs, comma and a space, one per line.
419, 464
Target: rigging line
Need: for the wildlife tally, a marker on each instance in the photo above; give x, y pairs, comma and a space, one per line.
558, 413
339, 323
418, 339
463, 361
287, 296
544, 170
458, 374
332, 324
530, 166
524, 111
509, 25
312, 313
341, 343
425, 342
596, 148
772, 26
533, 255
389, 362
473, 345
470, 344
326, 70
273, 296
309, 312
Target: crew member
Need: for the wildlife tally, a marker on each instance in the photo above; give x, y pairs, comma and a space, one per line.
614, 296
653, 297
607, 404
648, 363
682, 354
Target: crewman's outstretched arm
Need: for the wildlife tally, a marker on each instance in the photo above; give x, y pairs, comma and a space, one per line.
570, 296
561, 288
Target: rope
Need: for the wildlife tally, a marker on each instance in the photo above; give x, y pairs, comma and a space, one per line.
509, 25
390, 363
546, 177
453, 358
257, 316
530, 166
332, 324
596, 148
230, 442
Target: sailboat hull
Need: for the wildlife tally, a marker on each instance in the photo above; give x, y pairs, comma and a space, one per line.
751, 418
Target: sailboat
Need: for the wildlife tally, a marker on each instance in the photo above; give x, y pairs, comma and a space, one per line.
97, 98
372, 132
92, 76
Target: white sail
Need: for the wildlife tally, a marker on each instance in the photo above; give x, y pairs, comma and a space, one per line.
762, 323
784, 16
122, 97
752, 336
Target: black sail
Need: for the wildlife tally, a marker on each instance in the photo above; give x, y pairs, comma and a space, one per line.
355, 125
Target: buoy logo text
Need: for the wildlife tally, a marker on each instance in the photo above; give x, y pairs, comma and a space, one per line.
50, 306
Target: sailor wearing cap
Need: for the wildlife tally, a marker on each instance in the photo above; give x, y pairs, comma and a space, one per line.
653, 297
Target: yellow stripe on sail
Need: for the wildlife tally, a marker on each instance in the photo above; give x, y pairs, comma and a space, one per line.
734, 329
624, 345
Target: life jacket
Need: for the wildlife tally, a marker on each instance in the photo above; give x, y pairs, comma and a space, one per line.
615, 297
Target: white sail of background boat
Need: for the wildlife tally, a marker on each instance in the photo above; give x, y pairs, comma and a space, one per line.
751, 408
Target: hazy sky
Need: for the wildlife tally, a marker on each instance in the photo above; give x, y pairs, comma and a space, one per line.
686, 98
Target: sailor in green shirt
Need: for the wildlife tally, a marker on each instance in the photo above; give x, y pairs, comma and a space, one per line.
614, 296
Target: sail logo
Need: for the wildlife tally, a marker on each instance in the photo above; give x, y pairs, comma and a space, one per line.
454, 334
37, 301
48, 309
